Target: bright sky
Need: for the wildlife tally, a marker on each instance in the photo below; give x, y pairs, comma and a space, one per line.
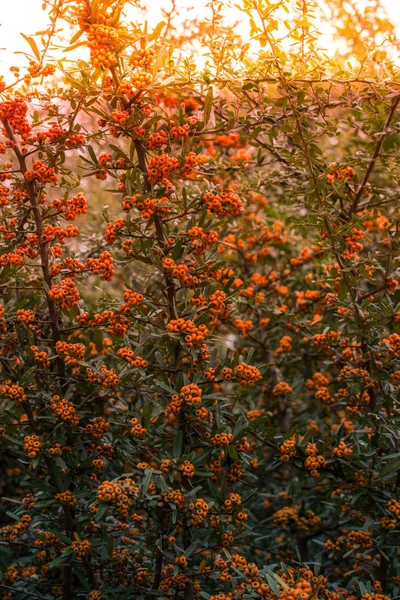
27, 16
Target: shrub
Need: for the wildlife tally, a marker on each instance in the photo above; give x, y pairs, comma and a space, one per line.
199, 326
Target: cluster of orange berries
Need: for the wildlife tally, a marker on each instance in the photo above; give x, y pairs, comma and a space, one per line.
224, 203
32, 445
35, 69
290, 516
137, 430
129, 355
142, 58
108, 377
324, 339
342, 450
97, 428
103, 265
301, 589
247, 375
227, 539
46, 539
56, 133
64, 409
81, 549
104, 42
40, 357
117, 324
75, 206
181, 561
191, 394
222, 439
58, 450
220, 596
66, 294
161, 166
353, 244
146, 206
281, 388
314, 461
193, 335
374, 595
201, 239
391, 522
12, 533
217, 306
66, 498
177, 402
187, 469
243, 326
323, 395
191, 162
288, 449
120, 117
4, 192
305, 297
110, 492
41, 173
51, 233
156, 140
199, 511
72, 352
125, 88
359, 538
285, 345
348, 372
393, 341
112, 230
183, 272
131, 298
25, 316
233, 499
174, 497
15, 112
339, 174
141, 80
13, 391
179, 132
318, 381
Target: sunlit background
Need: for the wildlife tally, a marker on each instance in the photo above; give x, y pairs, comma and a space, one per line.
28, 17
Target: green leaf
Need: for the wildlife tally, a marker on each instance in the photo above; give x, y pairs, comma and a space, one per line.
60, 536
92, 154
208, 105
177, 249
146, 480
82, 578
165, 387
60, 559
101, 512
177, 446
392, 468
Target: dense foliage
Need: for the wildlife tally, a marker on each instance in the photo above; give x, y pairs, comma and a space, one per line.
199, 318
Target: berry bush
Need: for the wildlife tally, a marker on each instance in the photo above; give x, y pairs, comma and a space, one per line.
199, 316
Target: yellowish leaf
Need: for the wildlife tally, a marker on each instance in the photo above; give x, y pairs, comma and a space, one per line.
157, 31
33, 45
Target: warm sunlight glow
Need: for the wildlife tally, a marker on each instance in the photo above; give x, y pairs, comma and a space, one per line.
27, 16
